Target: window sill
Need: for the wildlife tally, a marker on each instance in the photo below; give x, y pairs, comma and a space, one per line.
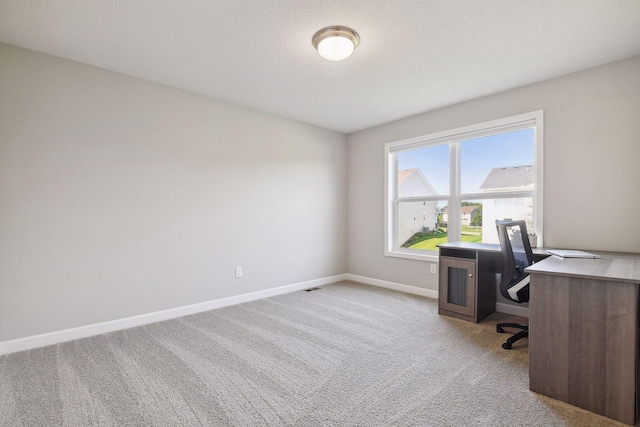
414, 255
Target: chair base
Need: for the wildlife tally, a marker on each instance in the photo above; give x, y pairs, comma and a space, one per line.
524, 333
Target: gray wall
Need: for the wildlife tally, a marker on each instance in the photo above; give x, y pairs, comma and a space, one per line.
120, 197
591, 166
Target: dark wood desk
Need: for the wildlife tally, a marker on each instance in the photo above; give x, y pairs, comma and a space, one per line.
467, 280
583, 332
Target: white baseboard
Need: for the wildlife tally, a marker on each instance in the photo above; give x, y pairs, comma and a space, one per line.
393, 285
515, 310
57, 337
501, 307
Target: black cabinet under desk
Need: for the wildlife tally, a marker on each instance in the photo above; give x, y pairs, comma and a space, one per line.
467, 279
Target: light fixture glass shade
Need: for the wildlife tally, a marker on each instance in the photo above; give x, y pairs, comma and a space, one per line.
335, 43
335, 48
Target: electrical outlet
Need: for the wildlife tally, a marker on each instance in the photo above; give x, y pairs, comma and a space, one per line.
432, 268
238, 272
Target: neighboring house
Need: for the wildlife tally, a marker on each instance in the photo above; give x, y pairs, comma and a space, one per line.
468, 212
414, 217
466, 215
511, 178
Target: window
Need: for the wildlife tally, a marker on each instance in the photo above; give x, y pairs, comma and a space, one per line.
463, 180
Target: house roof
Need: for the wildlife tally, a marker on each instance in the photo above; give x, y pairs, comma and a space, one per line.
404, 175
508, 178
468, 209
464, 210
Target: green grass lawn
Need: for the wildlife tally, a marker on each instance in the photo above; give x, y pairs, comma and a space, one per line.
429, 242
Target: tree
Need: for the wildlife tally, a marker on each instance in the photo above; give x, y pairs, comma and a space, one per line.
477, 217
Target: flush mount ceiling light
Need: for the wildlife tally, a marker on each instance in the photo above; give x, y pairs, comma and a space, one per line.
335, 43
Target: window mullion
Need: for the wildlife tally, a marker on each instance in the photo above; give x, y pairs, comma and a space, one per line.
497, 195
421, 199
453, 226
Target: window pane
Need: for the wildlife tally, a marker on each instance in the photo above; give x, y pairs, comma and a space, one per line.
500, 162
424, 172
419, 225
478, 217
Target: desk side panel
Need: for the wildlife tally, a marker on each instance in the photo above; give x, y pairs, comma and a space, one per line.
583, 343
621, 349
603, 319
486, 295
588, 344
549, 336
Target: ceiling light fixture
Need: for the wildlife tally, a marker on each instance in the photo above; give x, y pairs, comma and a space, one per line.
335, 43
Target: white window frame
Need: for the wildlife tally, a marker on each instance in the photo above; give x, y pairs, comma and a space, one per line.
453, 138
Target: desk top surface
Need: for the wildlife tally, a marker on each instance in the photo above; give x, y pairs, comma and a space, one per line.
484, 247
611, 266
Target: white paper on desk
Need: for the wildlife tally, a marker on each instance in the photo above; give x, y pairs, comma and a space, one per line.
570, 253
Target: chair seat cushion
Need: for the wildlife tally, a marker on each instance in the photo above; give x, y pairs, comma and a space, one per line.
519, 292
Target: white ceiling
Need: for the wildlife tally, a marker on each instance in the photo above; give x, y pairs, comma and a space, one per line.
414, 55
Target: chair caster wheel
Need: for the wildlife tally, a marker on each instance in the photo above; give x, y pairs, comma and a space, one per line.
506, 346
499, 330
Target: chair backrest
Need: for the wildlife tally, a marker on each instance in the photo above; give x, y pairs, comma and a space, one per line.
516, 256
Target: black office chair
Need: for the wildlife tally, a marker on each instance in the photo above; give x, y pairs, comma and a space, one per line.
514, 282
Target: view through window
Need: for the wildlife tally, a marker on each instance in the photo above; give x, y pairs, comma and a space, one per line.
452, 186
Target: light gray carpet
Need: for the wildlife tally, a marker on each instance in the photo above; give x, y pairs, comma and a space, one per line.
344, 355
